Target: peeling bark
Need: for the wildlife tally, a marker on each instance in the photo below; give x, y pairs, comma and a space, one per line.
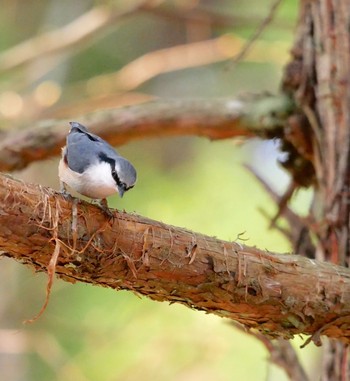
280, 295
319, 80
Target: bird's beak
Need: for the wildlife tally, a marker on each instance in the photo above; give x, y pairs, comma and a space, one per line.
121, 191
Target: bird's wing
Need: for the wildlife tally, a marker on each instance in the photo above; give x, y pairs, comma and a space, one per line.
84, 148
77, 127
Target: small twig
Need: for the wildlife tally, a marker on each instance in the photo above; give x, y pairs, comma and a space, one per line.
258, 32
148, 66
299, 229
241, 238
287, 359
283, 202
196, 16
316, 336
286, 212
281, 352
200, 15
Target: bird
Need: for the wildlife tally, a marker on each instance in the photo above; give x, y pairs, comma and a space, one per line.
92, 167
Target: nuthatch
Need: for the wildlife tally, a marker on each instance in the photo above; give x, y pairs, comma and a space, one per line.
92, 167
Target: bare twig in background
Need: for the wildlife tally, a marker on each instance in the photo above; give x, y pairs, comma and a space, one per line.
196, 15
298, 230
77, 32
96, 21
177, 57
257, 33
285, 356
214, 119
111, 90
281, 352
200, 15
259, 289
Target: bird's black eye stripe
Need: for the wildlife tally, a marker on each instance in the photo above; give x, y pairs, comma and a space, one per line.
116, 178
111, 162
107, 159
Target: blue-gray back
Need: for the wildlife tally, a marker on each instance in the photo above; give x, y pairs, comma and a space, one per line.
84, 148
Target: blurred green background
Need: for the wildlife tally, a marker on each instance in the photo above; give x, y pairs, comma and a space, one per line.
89, 333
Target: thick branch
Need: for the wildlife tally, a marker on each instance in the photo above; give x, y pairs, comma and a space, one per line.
214, 119
281, 295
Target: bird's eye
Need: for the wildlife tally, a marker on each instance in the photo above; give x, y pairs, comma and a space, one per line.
115, 176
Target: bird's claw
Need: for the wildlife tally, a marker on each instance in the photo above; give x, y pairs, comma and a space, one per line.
66, 195
104, 206
64, 192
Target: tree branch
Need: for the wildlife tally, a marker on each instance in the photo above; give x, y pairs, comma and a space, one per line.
202, 15
215, 119
281, 295
67, 37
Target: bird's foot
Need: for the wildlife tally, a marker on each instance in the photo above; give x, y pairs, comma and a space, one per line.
104, 206
64, 192
66, 195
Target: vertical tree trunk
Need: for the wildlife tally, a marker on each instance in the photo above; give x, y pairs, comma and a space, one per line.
319, 79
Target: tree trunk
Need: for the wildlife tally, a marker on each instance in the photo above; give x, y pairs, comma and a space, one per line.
319, 79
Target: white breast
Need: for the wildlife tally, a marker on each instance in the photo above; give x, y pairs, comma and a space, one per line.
96, 182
